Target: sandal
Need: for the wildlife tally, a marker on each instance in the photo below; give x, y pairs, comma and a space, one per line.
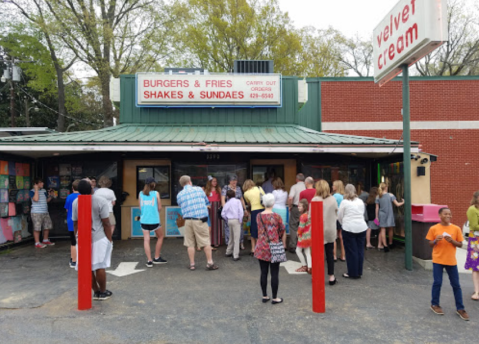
192, 267
211, 267
302, 269
475, 298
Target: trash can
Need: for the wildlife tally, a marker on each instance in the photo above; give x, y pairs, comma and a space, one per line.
423, 217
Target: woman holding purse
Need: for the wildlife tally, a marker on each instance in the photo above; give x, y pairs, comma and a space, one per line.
271, 237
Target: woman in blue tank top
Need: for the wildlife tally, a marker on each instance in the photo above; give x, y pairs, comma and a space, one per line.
150, 206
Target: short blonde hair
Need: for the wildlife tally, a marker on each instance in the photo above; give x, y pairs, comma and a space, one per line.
339, 186
184, 180
350, 192
248, 184
104, 182
322, 189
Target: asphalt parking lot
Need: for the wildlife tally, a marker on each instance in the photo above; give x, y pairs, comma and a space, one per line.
170, 304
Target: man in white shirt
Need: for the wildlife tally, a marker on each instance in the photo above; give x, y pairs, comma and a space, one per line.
293, 201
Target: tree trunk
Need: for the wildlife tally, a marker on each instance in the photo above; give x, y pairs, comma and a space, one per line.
105, 92
61, 99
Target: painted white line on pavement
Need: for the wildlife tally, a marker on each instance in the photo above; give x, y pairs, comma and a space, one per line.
291, 267
125, 269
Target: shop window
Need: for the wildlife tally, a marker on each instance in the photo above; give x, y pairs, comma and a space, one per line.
349, 174
59, 175
261, 173
327, 172
199, 174
161, 174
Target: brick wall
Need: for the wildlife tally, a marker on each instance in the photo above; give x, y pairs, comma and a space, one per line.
364, 101
455, 176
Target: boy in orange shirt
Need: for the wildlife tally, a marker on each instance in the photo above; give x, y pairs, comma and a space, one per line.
444, 238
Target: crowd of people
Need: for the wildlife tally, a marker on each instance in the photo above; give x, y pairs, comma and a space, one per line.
349, 213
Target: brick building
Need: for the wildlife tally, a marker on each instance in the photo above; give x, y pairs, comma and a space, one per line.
444, 120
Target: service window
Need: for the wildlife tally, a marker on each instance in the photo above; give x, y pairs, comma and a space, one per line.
161, 174
262, 173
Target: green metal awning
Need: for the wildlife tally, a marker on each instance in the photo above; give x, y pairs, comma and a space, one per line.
141, 137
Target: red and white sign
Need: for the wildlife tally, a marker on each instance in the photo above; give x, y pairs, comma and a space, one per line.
411, 30
158, 89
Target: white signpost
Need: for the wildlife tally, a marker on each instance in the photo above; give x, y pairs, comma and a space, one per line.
413, 29
201, 90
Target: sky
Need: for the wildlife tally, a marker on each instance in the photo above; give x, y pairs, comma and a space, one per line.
351, 17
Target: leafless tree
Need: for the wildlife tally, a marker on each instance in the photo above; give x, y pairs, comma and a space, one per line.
357, 56
460, 54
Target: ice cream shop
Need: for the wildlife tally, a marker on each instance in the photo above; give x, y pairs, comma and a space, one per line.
250, 123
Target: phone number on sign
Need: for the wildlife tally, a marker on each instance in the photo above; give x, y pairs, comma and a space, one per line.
261, 95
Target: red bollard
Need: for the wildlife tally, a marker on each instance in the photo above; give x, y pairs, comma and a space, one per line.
84, 252
317, 253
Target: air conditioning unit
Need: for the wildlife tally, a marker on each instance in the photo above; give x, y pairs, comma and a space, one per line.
253, 66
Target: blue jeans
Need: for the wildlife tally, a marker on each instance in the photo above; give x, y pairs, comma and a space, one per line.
354, 246
437, 271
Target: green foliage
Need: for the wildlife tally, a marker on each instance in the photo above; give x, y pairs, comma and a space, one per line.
25, 43
217, 32
320, 53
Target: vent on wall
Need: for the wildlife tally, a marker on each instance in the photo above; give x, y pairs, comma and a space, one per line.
253, 66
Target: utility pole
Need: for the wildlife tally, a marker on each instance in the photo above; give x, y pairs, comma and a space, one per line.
27, 112
11, 75
12, 103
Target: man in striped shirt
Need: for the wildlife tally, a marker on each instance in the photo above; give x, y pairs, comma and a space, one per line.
39, 212
194, 203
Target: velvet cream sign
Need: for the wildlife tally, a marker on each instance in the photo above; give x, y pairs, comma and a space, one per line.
411, 30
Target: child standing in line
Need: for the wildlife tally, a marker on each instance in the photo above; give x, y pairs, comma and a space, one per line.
304, 237
68, 206
444, 238
233, 214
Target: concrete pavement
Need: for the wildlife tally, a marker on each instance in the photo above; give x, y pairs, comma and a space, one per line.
170, 304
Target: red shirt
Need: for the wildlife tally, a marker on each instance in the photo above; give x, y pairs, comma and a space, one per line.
308, 194
214, 196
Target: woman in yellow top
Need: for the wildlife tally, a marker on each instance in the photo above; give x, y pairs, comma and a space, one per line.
252, 196
472, 259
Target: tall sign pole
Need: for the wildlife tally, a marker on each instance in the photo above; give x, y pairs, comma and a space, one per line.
407, 166
411, 30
